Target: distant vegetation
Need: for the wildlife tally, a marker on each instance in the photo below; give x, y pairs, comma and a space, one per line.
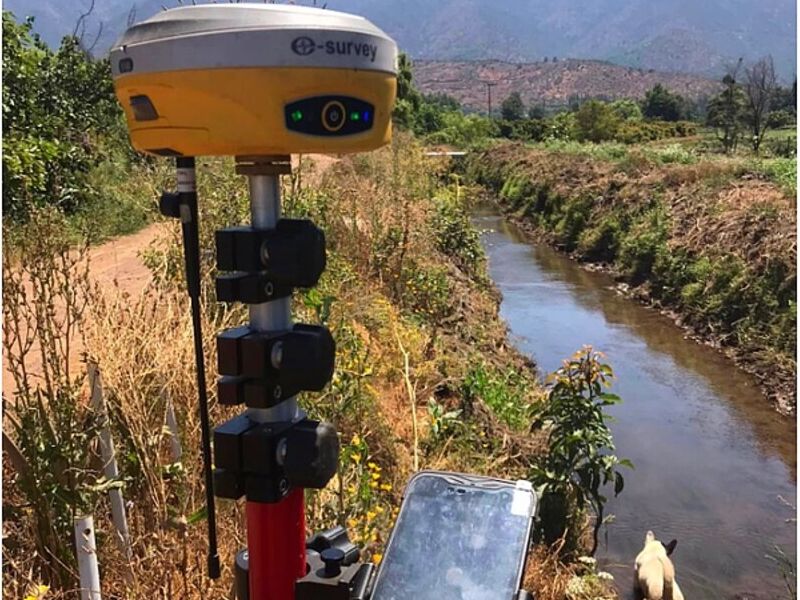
742, 112
64, 140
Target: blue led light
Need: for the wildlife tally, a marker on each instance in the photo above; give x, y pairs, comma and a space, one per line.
366, 115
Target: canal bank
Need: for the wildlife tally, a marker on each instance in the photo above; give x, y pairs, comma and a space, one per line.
715, 465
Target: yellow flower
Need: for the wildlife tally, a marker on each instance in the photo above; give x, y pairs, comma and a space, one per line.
379, 509
356, 441
38, 593
376, 558
370, 515
352, 523
356, 458
373, 484
376, 476
386, 487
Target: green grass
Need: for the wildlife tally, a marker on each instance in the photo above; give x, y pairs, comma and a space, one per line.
782, 171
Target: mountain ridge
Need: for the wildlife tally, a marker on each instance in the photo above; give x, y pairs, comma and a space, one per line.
549, 83
672, 35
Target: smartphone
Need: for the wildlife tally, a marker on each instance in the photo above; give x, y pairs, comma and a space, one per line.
457, 537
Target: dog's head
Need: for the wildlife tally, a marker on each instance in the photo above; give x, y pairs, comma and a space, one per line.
650, 537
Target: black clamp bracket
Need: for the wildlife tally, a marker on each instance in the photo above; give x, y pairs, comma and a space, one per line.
262, 370
263, 461
268, 264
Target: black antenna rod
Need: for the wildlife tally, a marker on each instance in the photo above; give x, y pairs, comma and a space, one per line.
183, 205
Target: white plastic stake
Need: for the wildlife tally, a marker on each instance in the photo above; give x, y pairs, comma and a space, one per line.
110, 469
87, 558
172, 424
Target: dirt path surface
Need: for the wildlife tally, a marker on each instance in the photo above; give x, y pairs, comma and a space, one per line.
118, 264
119, 261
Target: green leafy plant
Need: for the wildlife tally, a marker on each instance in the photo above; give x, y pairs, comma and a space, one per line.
580, 461
501, 390
443, 421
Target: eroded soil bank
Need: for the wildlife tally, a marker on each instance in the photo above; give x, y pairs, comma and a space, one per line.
710, 244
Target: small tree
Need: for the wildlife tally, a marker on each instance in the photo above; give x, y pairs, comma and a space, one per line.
581, 459
536, 111
660, 103
513, 108
408, 99
760, 86
726, 111
596, 121
627, 109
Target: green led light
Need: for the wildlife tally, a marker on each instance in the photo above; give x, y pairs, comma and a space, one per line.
355, 116
296, 116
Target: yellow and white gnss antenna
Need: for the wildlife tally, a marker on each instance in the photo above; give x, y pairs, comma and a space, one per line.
255, 79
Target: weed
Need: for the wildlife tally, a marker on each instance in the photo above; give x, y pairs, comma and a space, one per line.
45, 295
580, 461
502, 391
782, 171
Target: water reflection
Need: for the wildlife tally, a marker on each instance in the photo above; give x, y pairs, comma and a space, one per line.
711, 456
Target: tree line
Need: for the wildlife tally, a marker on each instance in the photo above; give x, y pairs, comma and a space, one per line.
745, 108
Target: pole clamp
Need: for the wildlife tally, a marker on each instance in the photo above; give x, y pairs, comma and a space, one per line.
291, 255
262, 369
263, 461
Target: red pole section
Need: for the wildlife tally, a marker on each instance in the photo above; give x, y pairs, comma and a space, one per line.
276, 545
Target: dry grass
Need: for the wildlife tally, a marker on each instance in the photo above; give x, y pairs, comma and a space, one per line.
398, 347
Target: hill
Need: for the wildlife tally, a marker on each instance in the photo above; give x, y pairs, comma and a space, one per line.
671, 35
550, 83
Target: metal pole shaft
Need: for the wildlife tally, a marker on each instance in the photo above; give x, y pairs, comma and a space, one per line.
275, 532
273, 316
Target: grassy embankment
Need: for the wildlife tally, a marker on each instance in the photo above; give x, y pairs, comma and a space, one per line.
424, 378
709, 239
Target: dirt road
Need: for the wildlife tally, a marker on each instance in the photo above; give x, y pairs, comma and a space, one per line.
118, 264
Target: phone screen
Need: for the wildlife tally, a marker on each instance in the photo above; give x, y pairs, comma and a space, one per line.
456, 542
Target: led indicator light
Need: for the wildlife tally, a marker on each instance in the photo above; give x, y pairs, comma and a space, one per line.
355, 116
297, 116
366, 115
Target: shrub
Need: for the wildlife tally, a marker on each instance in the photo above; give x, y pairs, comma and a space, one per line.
660, 103
783, 147
779, 119
580, 461
455, 235
527, 130
55, 107
464, 130
596, 121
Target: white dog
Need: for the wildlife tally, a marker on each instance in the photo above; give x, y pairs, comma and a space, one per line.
655, 573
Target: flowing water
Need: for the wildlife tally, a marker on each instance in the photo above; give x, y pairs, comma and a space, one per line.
712, 459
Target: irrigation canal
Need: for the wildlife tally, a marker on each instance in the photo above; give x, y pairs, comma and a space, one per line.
715, 466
